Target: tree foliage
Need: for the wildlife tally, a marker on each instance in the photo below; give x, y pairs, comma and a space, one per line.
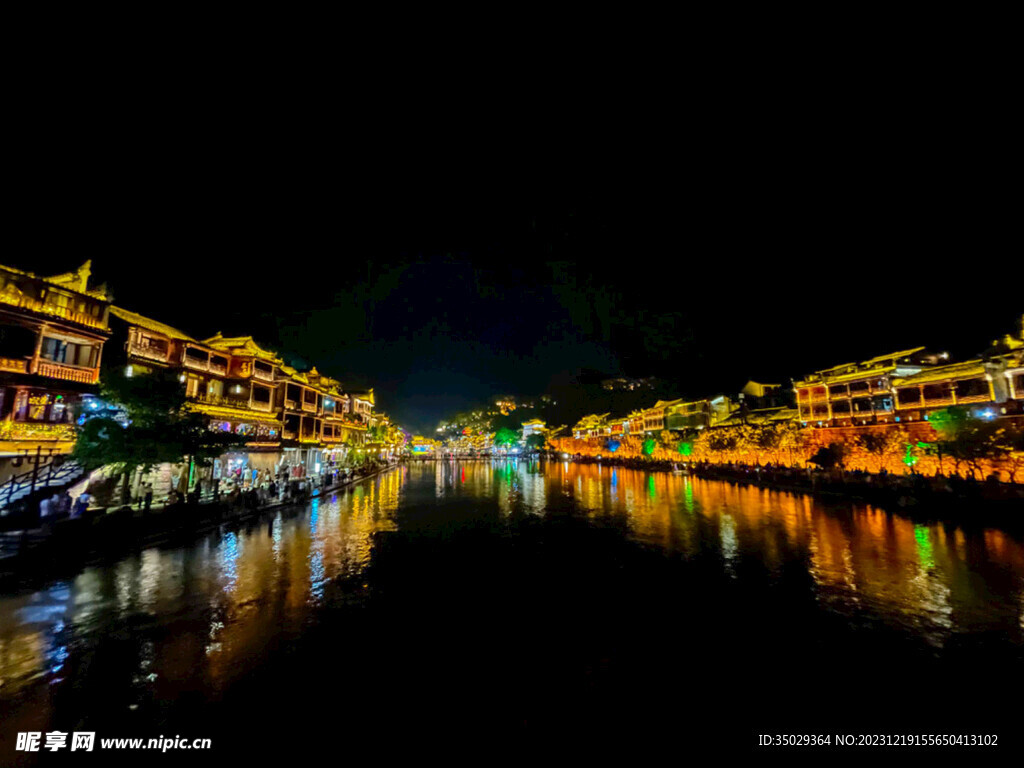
159, 427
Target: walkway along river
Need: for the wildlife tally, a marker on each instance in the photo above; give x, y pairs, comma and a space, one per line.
444, 604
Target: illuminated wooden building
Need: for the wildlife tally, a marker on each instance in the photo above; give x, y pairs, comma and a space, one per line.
756, 395
533, 427
862, 393
339, 427
654, 417
967, 383
635, 423
52, 334
592, 425
233, 382
989, 386
361, 405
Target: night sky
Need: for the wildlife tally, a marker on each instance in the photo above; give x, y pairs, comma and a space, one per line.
706, 270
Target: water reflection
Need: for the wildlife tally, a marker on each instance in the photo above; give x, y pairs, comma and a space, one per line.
196, 617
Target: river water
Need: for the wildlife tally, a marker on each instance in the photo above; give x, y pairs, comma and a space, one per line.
448, 604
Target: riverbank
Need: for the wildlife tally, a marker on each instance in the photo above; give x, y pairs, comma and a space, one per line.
951, 499
79, 541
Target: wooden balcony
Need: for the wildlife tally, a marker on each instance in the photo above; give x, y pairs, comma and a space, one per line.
147, 353
67, 372
974, 399
66, 313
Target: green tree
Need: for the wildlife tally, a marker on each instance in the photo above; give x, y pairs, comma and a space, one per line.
505, 437
535, 442
159, 427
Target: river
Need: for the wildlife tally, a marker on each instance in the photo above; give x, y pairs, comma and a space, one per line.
442, 605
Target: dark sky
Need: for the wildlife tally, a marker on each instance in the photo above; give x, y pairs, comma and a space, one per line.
443, 274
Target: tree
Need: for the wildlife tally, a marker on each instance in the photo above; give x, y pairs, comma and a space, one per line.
157, 426
968, 440
828, 457
505, 437
535, 441
881, 445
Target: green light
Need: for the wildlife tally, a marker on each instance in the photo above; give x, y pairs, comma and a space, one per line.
686, 448
649, 446
909, 458
924, 546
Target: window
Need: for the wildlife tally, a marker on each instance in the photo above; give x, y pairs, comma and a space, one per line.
69, 353
154, 344
972, 388
909, 395
261, 394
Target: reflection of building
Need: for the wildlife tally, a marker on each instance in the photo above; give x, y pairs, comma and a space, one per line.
859, 393
52, 332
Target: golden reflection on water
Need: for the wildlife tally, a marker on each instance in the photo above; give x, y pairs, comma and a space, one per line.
205, 609
255, 582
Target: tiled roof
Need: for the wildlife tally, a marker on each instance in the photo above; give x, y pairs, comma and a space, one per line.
149, 324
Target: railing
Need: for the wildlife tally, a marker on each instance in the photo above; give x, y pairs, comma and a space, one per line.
20, 486
230, 402
263, 375
35, 305
148, 353
974, 399
68, 372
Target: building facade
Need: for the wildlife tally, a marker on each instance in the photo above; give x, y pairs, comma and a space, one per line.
52, 336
